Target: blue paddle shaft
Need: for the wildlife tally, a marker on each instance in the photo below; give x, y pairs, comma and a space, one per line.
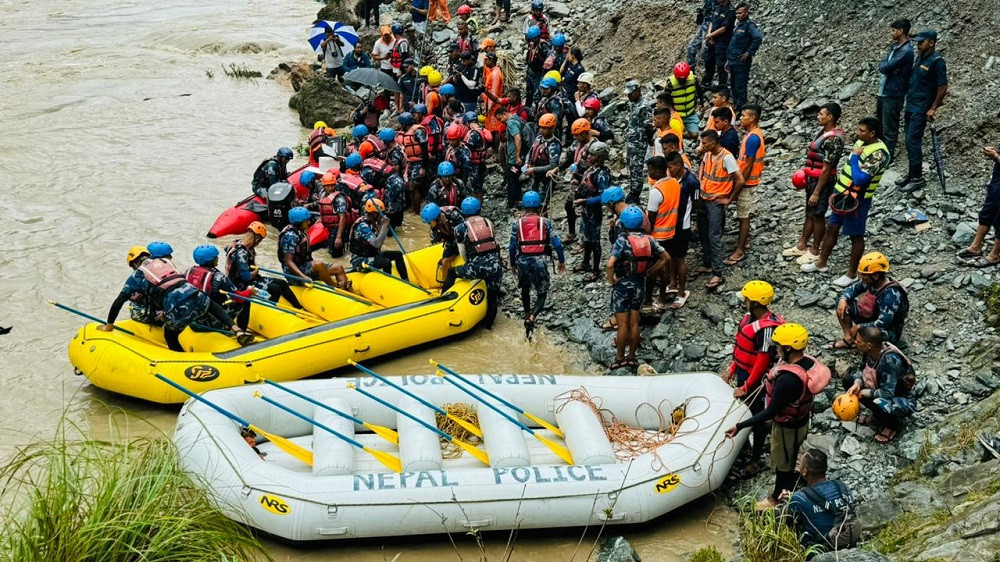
205, 401
288, 275
481, 388
490, 406
312, 421
261, 302
401, 389
315, 402
89, 317
407, 414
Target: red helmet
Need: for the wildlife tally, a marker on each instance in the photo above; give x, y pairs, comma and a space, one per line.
592, 103
682, 70
799, 179
456, 131
464, 9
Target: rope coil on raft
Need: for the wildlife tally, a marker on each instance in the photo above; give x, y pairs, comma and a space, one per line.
465, 412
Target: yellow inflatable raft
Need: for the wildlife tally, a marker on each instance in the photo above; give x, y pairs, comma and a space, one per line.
384, 314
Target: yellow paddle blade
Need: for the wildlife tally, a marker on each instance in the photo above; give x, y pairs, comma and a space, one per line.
556, 448
544, 424
390, 461
389, 435
294, 449
467, 425
474, 451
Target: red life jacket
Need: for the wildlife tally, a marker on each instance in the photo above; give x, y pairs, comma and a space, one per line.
587, 182
465, 43
352, 185
744, 349
642, 253
380, 167
532, 238
231, 259
396, 55
539, 155
449, 192
580, 154
201, 278
904, 385
161, 273
814, 158
813, 382
478, 154
481, 237
331, 219
435, 134
543, 25
412, 148
379, 148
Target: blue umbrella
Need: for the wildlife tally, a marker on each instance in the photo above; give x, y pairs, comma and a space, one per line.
346, 32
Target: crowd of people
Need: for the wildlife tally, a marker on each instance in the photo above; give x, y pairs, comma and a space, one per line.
692, 152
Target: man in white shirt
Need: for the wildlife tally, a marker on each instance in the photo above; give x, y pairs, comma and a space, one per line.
382, 50
333, 55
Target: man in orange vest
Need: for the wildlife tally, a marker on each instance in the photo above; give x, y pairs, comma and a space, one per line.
662, 209
677, 246
492, 90
751, 163
720, 178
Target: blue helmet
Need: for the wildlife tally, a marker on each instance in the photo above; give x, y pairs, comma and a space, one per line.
537, 5
397, 28
285, 152
353, 161
359, 131
548, 82
204, 255
470, 117
298, 214
471, 206
420, 108
558, 40
159, 249
533, 32
386, 135
405, 119
632, 218
612, 194
307, 178
447, 90
430, 212
446, 169
531, 200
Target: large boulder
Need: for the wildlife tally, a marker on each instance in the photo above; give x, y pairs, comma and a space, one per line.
344, 11
323, 99
292, 74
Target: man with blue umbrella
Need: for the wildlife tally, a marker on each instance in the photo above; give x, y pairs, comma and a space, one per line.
333, 55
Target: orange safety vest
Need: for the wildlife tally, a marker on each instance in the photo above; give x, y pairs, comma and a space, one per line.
715, 180
710, 126
665, 224
753, 177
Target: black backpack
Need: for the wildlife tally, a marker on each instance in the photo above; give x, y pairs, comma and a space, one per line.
846, 530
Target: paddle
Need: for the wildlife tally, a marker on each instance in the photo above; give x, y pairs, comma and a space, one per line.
390, 461
468, 426
89, 317
400, 279
482, 389
409, 264
293, 449
556, 448
303, 314
389, 435
472, 450
317, 285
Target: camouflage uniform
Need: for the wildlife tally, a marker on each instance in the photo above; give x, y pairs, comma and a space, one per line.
461, 157
453, 218
630, 290
395, 193
483, 266
271, 173
592, 212
892, 308
532, 271
364, 232
553, 149
288, 241
640, 117
440, 195
184, 306
142, 306
221, 282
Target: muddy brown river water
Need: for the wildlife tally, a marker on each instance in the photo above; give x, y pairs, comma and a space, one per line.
114, 134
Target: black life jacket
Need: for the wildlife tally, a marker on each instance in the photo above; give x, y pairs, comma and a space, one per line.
302, 254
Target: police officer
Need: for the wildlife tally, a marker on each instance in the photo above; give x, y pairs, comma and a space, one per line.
182, 304
271, 171
638, 131
366, 244
543, 155
537, 50
479, 141
446, 189
482, 256
142, 308
417, 154
634, 255
576, 162
241, 266
206, 277
336, 212
442, 220
595, 180
295, 254
532, 239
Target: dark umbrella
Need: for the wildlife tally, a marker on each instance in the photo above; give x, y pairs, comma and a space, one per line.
373, 78
938, 157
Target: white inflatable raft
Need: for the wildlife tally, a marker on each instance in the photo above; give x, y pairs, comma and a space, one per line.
347, 493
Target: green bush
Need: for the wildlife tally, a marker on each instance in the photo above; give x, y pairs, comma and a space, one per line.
707, 554
764, 536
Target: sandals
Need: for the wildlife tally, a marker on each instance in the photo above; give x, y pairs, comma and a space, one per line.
680, 300
984, 262
967, 255
714, 283
842, 344
607, 326
618, 364
733, 261
590, 278
699, 272
244, 338
866, 419
886, 435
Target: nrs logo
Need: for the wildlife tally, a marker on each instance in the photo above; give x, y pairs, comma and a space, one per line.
275, 505
667, 483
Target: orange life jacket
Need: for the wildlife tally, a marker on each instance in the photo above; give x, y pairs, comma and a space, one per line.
753, 178
715, 180
412, 148
665, 225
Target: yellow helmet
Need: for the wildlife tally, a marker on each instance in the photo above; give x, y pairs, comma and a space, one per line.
758, 291
426, 70
794, 336
553, 74
481, 118
434, 78
134, 252
846, 407
319, 125
873, 262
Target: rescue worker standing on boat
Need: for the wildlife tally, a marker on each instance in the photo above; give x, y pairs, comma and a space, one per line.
482, 256
336, 212
532, 239
295, 255
206, 277
366, 243
183, 305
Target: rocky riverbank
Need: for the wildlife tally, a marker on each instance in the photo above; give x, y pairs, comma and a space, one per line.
928, 486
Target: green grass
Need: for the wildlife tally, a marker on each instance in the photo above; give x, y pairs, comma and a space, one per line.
906, 528
991, 295
241, 72
84, 499
764, 536
707, 554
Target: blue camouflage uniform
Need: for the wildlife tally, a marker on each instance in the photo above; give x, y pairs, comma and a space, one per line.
543, 156
532, 271
461, 157
892, 308
293, 240
640, 117
486, 266
269, 174
630, 290
443, 196
363, 232
453, 217
222, 282
395, 193
142, 306
891, 400
591, 216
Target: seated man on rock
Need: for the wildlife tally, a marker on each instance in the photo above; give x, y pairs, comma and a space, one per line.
883, 385
822, 512
874, 300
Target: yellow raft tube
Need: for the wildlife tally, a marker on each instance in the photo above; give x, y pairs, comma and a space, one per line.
384, 314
